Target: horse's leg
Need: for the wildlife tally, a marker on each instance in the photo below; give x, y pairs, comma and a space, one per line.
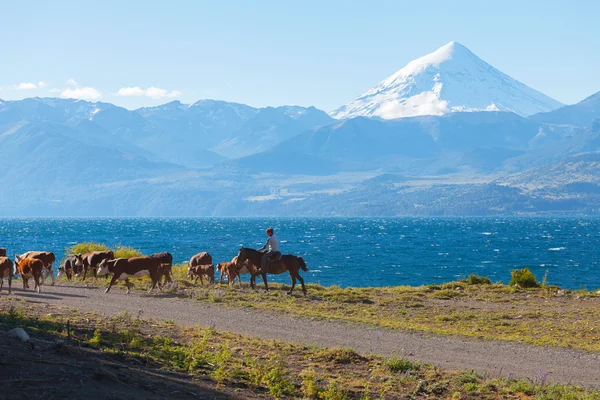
302, 282
264, 276
293, 283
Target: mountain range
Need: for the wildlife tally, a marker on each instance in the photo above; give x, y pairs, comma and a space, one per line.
451, 153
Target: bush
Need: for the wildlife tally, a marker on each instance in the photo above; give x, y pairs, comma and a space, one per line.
120, 251
81, 248
126, 252
523, 278
478, 280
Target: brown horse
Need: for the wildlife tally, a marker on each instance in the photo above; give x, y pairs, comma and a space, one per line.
288, 262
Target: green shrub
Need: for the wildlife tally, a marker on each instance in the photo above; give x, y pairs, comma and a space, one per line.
400, 364
478, 280
466, 377
523, 278
86, 247
120, 251
127, 252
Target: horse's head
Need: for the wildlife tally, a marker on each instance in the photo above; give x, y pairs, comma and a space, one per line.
242, 254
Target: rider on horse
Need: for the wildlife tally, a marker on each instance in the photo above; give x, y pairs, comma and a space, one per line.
273, 245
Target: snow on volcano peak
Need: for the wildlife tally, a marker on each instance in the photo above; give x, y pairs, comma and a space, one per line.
451, 79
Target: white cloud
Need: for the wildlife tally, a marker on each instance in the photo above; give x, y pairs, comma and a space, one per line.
55, 90
152, 92
27, 85
41, 84
72, 82
83, 93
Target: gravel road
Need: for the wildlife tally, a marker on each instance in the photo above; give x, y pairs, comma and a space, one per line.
495, 358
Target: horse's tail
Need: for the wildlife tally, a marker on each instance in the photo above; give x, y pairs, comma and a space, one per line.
302, 264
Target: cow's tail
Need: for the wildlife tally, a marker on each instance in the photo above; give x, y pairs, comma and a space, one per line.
302, 264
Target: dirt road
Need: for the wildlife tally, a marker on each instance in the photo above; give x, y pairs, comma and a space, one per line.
492, 357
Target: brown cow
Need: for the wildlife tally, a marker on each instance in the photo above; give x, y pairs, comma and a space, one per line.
166, 261
201, 264
29, 267
92, 260
241, 269
201, 270
2, 252
48, 258
230, 269
125, 268
6, 271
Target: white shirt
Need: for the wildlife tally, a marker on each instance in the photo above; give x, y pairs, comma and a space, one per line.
273, 243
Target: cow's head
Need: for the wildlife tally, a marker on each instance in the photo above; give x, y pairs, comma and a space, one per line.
219, 266
103, 267
190, 273
78, 260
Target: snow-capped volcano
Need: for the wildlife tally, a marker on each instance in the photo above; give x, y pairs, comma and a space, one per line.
450, 79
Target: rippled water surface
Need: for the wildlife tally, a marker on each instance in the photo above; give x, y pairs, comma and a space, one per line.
350, 251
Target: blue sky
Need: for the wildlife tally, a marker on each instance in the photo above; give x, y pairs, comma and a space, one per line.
321, 53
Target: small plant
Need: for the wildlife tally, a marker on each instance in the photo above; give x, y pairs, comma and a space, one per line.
310, 387
221, 359
333, 393
523, 278
545, 279
478, 280
466, 377
276, 379
96, 340
400, 364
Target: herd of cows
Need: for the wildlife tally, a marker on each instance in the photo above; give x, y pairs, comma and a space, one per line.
38, 265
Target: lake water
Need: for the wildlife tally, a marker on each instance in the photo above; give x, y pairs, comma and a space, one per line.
357, 252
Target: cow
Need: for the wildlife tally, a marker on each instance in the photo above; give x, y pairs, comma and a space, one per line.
166, 261
73, 266
48, 258
230, 269
2, 252
199, 265
6, 271
92, 260
241, 269
201, 270
29, 268
125, 268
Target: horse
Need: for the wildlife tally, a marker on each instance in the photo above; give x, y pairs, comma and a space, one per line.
288, 262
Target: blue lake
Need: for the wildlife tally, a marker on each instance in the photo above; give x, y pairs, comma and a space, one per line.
357, 252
